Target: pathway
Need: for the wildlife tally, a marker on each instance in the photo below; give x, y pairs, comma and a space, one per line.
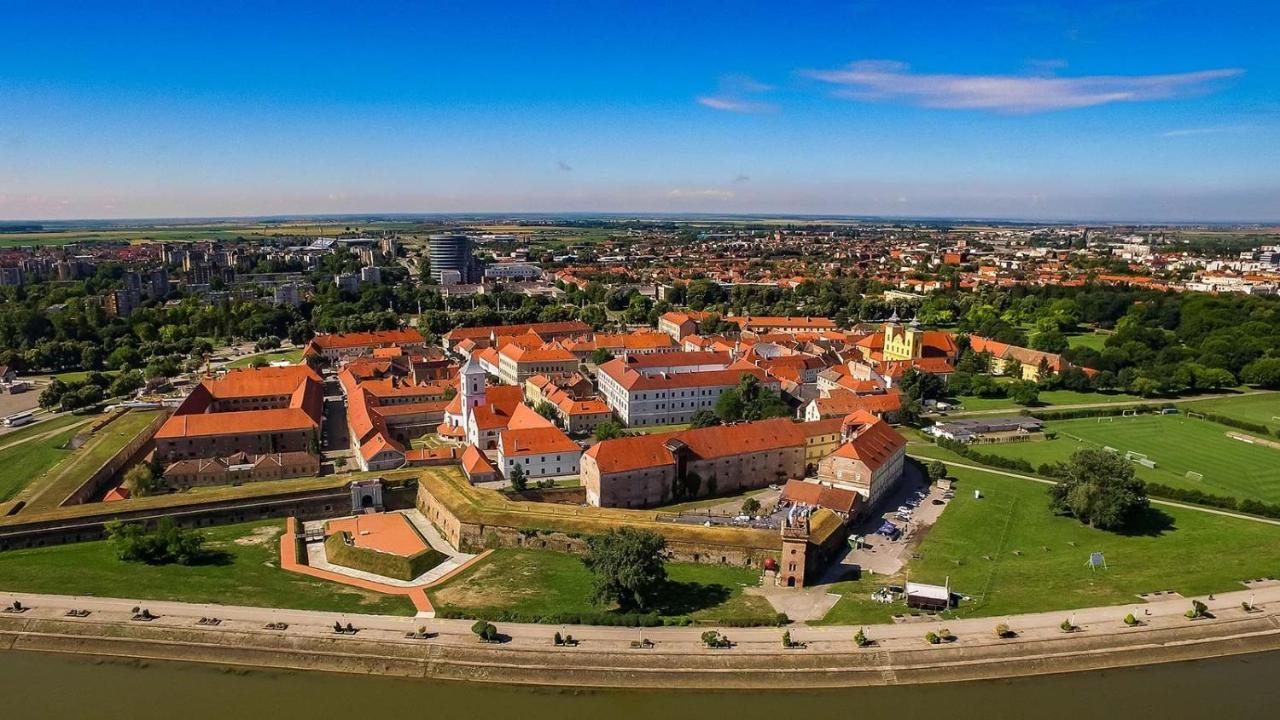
1099, 621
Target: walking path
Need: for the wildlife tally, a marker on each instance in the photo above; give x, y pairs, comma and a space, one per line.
1097, 622
415, 590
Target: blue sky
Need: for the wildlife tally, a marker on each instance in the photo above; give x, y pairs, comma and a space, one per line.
1140, 110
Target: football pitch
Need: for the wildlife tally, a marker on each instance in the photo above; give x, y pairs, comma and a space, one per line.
1177, 444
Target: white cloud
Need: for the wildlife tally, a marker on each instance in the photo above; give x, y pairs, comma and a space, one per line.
1187, 132
880, 80
700, 194
735, 94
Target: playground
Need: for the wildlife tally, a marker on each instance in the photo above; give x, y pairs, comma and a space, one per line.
1176, 450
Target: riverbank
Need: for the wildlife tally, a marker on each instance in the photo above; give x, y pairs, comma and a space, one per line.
605, 658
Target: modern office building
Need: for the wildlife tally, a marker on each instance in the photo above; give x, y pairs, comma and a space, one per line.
451, 254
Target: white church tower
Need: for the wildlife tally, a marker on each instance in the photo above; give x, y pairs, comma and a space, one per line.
471, 388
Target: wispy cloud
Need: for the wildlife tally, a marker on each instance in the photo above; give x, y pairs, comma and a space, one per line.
735, 95
881, 80
700, 194
742, 178
564, 166
1188, 132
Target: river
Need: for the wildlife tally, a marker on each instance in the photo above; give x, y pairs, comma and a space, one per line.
38, 685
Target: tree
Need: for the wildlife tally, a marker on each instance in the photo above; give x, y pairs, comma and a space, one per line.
627, 567
1264, 372
937, 470
704, 418
141, 480
600, 356
750, 400
608, 430
1098, 488
165, 544
1023, 392
547, 410
1050, 341
750, 506
517, 477
920, 386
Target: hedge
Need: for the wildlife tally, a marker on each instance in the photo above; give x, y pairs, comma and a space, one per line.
967, 451
1108, 411
1197, 497
339, 551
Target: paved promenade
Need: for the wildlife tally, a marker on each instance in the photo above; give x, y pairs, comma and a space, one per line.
1100, 621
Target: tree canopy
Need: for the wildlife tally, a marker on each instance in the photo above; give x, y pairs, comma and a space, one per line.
1098, 488
627, 567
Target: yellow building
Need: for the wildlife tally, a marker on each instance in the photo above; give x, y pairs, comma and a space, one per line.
903, 343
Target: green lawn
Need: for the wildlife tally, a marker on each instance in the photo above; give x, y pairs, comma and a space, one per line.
79, 375
21, 464
1188, 551
292, 356
651, 429
245, 571
1176, 443
536, 583
1090, 340
1049, 398
76, 467
27, 431
1263, 409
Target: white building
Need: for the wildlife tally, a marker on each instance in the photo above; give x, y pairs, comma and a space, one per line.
541, 452
641, 400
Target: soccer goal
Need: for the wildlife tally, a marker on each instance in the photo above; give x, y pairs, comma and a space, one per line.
1129, 413
1106, 418
1193, 475
1191, 414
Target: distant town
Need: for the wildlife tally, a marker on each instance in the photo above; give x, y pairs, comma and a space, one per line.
516, 432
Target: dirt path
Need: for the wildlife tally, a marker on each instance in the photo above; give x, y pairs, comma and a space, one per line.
43, 436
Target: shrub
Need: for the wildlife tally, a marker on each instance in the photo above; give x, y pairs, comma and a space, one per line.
1198, 610
786, 638
1130, 620
932, 638
166, 543
860, 638
1067, 626
558, 640
1003, 631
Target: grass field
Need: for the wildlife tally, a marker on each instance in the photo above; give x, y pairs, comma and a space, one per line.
79, 375
1188, 551
653, 429
1048, 398
1090, 340
1176, 443
40, 428
62, 479
1263, 409
244, 570
293, 356
21, 464
546, 583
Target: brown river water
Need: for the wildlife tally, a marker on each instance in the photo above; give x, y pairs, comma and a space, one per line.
39, 685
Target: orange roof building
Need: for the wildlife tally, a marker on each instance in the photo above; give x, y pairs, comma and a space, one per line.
252, 410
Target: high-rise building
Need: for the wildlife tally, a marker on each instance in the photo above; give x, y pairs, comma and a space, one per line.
453, 254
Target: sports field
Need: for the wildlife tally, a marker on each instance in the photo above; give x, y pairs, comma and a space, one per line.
1263, 408
1011, 554
1176, 443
